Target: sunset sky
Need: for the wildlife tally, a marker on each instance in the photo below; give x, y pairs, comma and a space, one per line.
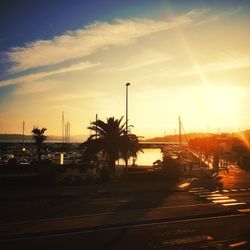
187, 58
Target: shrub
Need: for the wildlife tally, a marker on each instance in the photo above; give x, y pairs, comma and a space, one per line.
171, 169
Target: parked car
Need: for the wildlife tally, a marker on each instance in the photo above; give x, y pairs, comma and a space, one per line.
5, 158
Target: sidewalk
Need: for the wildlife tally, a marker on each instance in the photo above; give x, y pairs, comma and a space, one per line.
234, 178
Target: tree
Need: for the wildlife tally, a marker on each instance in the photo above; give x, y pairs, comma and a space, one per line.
111, 140
39, 138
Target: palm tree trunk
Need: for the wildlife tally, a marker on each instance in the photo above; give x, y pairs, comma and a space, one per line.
112, 165
39, 154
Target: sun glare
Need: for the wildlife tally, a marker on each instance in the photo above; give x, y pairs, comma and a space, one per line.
245, 139
220, 100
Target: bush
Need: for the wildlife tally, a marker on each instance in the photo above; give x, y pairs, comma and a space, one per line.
12, 163
47, 175
47, 171
244, 162
171, 169
105, 174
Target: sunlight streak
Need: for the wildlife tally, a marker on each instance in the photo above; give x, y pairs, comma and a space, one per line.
192, 58
245, 139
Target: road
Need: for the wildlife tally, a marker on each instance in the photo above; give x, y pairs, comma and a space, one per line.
205, 232
197, 218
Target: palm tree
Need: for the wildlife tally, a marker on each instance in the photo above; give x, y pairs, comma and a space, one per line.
111, 140
39, 138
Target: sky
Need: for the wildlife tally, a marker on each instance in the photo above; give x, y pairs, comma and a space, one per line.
181, 58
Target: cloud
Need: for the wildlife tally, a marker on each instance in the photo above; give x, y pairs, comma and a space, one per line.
221, 15
137, 64
36, 87
140, 60
74, 96
226, 61
88, 40
231, 60
227, 13
40, 75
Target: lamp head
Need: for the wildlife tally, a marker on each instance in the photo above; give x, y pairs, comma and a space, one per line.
127, 84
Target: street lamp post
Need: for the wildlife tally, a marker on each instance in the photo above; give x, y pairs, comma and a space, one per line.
126, 160
127, 84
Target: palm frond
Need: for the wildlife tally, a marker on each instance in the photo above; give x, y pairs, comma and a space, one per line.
112, 140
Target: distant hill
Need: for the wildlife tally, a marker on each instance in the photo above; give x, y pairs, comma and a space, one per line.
82, 138
28, 138
175, 138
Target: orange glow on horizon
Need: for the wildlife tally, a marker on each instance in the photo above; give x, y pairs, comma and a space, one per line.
245, 140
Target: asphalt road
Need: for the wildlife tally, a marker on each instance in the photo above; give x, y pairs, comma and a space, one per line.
183, 220
199, 233
197, 218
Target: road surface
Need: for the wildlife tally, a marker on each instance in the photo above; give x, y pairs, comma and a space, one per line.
197, 218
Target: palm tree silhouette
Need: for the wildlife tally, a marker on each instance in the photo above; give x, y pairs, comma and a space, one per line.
111, 140
39, 138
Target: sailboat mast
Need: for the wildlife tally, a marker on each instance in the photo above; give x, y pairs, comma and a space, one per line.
23, 130
180, 135
62, 127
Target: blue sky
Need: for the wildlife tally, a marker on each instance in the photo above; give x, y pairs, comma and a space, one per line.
25, 21
76, 56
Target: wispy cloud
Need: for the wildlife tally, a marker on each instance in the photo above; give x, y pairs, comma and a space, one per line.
36, 87
226, 13
40, 75
75, 96
88, 40
142, 59
225, 61
230, 60
218, 16
144, 63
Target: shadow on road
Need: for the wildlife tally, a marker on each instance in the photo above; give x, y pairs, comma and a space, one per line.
150, 192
